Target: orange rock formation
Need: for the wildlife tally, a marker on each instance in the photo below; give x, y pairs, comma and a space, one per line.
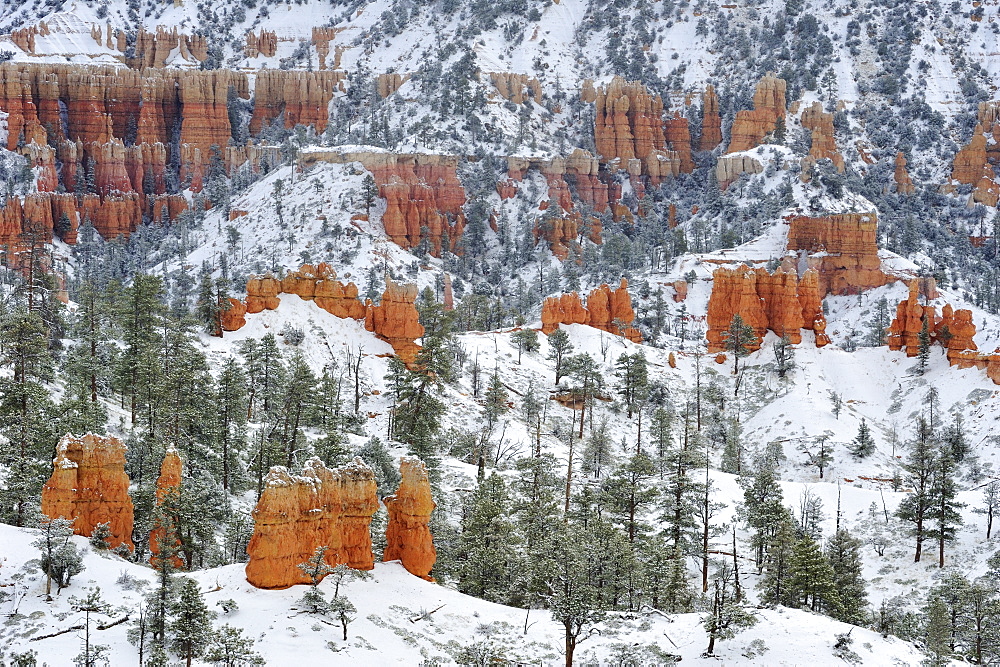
408, 536
779, 302
901, 176
628, 127
849, 262
607, 309
711, 121
298, 513
820, 124
89, 486
396, 321
750, 127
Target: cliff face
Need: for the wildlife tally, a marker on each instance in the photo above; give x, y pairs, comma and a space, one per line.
849, 263
408, 536
607, 309
303, 97
780, 302
298, 513
89, 486
396, 321
168, 484
751, 126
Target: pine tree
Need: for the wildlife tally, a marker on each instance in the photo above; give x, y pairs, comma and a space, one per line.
923, 346
919, 467
937, 633
738, 339
784, 355
25, 413
944, 509
487, 560
844, 553
573, 600
93, 603
863, 444
231, 418
763, 508
991, 505
536, 517
191, 627
811, 582
526, 341
60, 559
633, 380
627, 493
229, 648
560, 347
596, 458
726, 617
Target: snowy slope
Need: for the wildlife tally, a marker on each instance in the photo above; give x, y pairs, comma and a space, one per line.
385, 631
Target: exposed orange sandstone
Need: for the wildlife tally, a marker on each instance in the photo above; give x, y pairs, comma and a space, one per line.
319, 508
408, 535
89, 486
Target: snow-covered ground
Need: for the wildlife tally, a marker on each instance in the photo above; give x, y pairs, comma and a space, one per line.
391, 627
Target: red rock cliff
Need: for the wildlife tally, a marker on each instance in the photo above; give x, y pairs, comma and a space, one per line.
298, 513
89, 486
408, 535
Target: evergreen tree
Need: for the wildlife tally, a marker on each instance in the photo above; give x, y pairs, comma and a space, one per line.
991, 505
230, 422
60, 559
937, 633
536, 518
597, 457
863, 444
784, 355
726, 617
738, 339
526, 341
919, 467
560, 347
943, 512
191, 627
25, 413
93, 603
229, 648
763, 508
487, 557
573, 599
844, 553
923, 346
776, 586
627, 493
633, 380
812, 582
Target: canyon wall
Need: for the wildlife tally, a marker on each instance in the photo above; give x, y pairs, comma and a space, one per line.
89, 486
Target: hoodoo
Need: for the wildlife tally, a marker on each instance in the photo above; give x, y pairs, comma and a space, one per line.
89, 486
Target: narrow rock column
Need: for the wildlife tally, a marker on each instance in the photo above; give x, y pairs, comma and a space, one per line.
408, 536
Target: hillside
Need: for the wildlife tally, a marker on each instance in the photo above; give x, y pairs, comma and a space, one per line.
667, 328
